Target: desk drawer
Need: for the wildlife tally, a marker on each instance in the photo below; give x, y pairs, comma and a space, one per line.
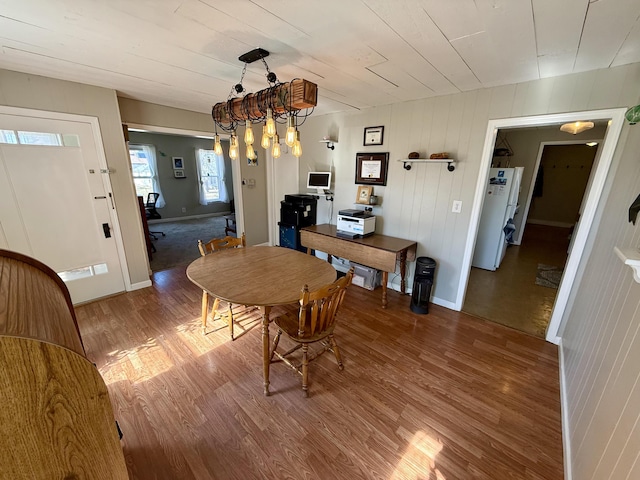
363, 254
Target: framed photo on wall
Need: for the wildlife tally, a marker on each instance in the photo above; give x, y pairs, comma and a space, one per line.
178, 173
373, 135
178, 163
364, 193
371, 168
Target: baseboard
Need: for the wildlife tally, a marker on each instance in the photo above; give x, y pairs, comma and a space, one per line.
564, 411
139, 285
188, 217
550, 223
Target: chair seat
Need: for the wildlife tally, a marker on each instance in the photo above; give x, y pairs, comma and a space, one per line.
288, 323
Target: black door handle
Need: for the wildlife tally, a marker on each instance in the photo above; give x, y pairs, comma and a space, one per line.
107, 230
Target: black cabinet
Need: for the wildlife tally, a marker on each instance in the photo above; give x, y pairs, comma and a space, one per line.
296, 212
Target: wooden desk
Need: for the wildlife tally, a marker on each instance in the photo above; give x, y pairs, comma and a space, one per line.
376, 251
260, 276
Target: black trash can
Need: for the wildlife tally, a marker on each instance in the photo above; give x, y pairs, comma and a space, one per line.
422, 284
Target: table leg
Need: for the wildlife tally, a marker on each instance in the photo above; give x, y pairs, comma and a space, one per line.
266, 344
403, 271
385, 278
205, 307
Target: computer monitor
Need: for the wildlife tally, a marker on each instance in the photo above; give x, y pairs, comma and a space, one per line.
319, 181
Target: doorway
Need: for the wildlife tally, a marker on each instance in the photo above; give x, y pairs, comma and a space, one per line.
184, 216
614, 119
521, 292
56, 203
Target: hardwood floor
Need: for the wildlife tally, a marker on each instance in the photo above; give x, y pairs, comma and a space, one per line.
510, 295
438, 396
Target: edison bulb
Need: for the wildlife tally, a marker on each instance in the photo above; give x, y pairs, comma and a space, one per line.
251, 153
276, 146
265, 143
271, 124
290, 138
217, 148
248, 134
297, 147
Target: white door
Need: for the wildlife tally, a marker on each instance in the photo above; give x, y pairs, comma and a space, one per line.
56, 203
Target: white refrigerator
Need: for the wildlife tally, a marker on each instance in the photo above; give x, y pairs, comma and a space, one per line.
498, 211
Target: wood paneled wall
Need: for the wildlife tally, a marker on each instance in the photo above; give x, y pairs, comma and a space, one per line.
416, 204
600, 342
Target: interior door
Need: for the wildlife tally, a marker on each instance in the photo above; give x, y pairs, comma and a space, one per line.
56, 203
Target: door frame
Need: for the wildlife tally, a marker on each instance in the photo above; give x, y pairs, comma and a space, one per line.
102, 161
235, 165
616, 120
543, 145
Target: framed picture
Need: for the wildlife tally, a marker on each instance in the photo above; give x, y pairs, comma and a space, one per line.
178, 173
364, 193
178, 163
371, 168
373, 135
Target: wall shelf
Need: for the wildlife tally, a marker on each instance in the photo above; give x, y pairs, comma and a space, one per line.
408, 161
631, 257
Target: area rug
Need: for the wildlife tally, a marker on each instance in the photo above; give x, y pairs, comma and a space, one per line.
179, 245
548, 275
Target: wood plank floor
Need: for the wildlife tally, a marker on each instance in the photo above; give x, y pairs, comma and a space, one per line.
438, 396
510, 295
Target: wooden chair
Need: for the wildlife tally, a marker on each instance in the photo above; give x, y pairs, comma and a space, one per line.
313, 321
210, 247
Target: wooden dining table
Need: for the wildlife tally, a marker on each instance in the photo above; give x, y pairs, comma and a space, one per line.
261, 276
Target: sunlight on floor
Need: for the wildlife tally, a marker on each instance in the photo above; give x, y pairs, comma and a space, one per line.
419, 461
150, 359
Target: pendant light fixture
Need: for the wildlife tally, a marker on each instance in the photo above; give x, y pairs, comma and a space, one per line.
576, 127
290, 102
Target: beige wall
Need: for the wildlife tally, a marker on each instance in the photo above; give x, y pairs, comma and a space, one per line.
143, 113
525, 143
42, 93
600, 343
565, 173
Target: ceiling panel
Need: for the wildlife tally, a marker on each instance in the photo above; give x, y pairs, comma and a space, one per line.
607, 26
558, 33
184, 53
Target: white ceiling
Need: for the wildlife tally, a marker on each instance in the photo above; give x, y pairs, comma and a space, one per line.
361, 53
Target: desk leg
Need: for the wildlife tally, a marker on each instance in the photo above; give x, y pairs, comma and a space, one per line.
266, 354
385, 278
403, 271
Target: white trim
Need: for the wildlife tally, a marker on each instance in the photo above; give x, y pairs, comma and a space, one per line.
139, 285
102, 160
616, 117
168, 130
564, 412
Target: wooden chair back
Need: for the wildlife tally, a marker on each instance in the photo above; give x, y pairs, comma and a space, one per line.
223, 243
318, 309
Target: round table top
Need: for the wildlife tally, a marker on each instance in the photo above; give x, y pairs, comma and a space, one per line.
260, 276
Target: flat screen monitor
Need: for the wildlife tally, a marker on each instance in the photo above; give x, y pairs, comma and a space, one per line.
319, 180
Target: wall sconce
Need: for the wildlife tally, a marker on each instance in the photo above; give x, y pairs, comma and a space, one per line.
576, 127
330, 143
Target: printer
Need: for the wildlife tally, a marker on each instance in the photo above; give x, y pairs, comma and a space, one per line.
355, 223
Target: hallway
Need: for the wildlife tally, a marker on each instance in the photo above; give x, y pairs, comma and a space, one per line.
510, 295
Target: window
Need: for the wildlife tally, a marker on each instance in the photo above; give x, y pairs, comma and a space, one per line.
145, 171
211, 174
